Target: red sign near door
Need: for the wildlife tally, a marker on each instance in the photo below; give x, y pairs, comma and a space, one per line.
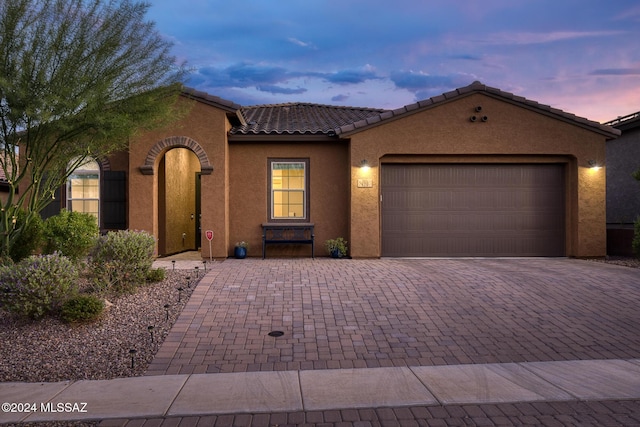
209, 234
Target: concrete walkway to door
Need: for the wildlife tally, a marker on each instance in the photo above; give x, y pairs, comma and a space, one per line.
342, 314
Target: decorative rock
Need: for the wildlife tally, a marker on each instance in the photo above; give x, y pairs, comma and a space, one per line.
50, 350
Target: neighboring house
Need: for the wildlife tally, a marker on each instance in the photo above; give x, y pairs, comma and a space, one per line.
473, 172
623, 191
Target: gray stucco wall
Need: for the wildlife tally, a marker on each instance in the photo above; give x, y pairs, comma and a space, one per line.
623, 191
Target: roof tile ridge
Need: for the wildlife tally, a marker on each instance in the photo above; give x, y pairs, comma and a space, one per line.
313, 104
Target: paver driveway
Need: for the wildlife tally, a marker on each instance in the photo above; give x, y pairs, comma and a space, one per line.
395, 312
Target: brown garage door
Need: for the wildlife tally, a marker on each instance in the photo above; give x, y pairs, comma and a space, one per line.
473, 210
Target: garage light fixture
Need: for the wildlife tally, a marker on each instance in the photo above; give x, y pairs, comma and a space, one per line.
364, 165
594, 165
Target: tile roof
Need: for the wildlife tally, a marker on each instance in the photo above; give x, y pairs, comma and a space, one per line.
476, 87
299, 119
630, 121
216, 101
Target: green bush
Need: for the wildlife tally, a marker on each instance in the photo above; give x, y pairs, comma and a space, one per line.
156, 275
29, 239
81, 309
37, 285
635, 244
336, 247
71, 233
121, 260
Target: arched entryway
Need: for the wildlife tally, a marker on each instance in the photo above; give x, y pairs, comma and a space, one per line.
177, 162
178, 201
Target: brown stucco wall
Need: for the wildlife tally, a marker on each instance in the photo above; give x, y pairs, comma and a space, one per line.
207, 126
119, 161
248, 180
4, 195
512, 134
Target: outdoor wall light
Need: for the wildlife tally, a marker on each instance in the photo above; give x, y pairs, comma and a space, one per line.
364, 165
594, 165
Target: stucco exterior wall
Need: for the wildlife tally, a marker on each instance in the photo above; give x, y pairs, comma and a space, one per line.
207, 127
4, 195
119, 161
248, 189
511, 133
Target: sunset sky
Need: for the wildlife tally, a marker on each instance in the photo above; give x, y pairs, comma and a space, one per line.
580, 56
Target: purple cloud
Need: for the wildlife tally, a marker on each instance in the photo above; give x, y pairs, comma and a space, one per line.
616, 72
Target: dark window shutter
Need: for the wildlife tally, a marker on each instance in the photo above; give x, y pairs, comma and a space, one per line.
53, 208
114, 200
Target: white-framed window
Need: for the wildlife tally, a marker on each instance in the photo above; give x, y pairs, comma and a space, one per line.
288, 189
83, 189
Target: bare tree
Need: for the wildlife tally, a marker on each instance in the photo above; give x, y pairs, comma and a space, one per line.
77, 79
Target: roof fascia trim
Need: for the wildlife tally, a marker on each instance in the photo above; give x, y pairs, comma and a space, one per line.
519, 101
285, 139
392, 115
554, 113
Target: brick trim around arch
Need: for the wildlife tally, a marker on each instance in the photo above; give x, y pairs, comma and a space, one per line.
173, 142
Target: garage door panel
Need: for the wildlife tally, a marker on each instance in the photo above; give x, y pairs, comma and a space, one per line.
473, 210
461, 245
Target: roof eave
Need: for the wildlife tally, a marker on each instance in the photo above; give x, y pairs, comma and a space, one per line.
283, 138
474, 88
608, 131
625, 123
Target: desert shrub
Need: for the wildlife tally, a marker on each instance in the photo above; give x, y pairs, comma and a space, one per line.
635, 243
81, 309
121, 260
37, 285
29, 239
156, 275
73, 234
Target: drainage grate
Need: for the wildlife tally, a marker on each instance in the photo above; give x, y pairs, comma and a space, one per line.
275, 333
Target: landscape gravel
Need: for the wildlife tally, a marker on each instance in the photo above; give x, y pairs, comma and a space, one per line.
620, 260
50, 350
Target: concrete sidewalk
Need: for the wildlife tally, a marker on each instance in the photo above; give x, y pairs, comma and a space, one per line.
320, 390
185, 261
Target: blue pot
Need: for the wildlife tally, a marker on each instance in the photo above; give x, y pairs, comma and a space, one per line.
240, 253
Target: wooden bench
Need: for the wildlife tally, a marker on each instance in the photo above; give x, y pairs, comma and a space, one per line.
287, 233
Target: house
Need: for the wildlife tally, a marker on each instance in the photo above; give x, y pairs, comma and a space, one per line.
623, 191
473, 172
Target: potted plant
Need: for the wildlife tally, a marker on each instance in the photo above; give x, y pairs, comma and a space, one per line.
336, 247
240, 250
